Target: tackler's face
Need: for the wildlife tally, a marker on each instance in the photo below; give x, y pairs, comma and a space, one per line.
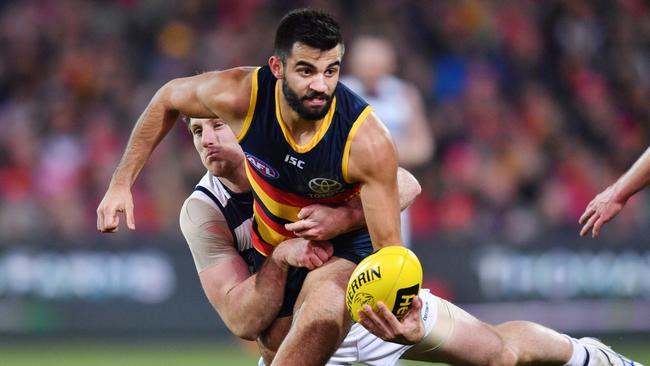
216, 144
309, 79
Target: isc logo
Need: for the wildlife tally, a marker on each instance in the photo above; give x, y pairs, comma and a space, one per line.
294, 161
262, 167
403, 300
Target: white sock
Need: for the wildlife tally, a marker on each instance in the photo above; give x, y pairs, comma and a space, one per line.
578, 354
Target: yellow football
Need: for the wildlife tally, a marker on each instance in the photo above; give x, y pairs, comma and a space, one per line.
392, 275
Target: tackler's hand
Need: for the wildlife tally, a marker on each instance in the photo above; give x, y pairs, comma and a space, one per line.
300, 252
320, 222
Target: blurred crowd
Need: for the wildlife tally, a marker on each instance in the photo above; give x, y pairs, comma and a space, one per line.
533, 106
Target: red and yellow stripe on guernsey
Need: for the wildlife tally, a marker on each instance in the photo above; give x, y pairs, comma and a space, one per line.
280, 205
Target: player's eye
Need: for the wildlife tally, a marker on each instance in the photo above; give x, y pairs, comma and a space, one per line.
331, 72
304, 72
197, 132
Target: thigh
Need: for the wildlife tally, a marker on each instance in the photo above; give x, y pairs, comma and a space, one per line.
321, 320
468, 341
269, 341
326, 285
295, 278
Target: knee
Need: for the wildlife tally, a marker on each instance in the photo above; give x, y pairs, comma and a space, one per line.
505, 357
498, 351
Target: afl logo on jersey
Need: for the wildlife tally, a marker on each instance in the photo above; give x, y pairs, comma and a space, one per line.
324, 187
262, 167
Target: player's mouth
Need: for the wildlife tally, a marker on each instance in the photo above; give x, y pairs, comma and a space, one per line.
316, 102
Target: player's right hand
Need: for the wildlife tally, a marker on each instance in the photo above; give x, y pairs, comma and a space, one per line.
118, 199
299, 252
599, 211
384, 324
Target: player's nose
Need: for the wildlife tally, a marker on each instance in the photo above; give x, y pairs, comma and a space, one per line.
208, 137
318, 84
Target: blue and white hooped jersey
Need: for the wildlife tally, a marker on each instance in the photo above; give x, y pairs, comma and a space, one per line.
237, 209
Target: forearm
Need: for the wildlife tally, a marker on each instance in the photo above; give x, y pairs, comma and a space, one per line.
408, 188
152, 126
252, 305
635, 179
380, 199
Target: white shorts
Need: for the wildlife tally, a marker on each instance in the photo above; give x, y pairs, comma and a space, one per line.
361, 346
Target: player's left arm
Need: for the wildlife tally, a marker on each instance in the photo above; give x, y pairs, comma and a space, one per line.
373, 163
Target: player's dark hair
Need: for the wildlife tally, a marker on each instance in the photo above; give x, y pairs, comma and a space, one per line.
311, 27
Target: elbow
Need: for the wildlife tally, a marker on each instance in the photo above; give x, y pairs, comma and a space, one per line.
249, 332
248, 336
414, 190
417, 189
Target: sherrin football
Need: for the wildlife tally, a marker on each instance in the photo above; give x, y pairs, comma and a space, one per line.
392, 275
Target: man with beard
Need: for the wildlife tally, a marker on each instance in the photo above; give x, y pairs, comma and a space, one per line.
308, 140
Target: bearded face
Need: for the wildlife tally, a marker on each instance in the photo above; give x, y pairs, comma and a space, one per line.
311, 106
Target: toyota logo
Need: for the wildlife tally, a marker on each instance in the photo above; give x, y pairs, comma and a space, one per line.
324, 185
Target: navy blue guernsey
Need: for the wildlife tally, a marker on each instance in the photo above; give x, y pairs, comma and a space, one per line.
286, 176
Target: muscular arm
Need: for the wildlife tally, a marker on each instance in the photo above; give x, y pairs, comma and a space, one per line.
246, 304
373, 163
607, 204
225, 94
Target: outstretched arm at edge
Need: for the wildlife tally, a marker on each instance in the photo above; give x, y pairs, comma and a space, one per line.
607, 204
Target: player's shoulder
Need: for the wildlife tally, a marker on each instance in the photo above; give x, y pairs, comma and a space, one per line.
227, 90
373, 131
217, 80
200, 207
372, 150
235, 73
198, 211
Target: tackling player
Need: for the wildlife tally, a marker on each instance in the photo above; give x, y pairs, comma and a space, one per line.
215, 224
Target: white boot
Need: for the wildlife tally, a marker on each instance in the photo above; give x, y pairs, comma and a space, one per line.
601, 354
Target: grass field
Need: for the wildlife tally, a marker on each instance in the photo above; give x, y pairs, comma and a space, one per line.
164, 353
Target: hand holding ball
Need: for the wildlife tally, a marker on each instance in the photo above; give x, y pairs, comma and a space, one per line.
392, 275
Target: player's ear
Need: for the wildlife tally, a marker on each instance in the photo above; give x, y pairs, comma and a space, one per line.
277, 68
